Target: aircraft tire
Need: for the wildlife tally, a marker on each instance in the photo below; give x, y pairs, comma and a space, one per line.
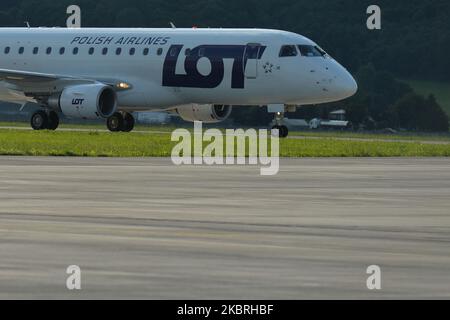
128, 122
39, 120
283, 131
53, 121
115, 123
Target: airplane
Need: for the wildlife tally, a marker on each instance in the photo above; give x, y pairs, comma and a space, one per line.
198, 73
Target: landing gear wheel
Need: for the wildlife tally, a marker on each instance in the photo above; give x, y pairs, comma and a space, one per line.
39, 120
128, 122
283, 131
115, 123
53, 120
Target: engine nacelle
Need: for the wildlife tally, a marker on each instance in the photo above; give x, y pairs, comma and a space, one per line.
206, 113
88, 101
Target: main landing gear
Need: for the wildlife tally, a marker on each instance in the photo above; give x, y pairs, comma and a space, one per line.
283, 130
44, 120
120, 121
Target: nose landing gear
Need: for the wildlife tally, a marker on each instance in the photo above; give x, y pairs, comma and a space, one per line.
279, 110
282, 129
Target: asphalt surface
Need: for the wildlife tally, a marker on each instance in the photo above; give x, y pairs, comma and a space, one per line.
143, 228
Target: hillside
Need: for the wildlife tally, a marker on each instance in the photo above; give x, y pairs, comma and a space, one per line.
441, 90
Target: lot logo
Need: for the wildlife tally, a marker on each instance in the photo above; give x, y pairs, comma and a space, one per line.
74, 280
216, 54
77, 102
74, 20
184, 153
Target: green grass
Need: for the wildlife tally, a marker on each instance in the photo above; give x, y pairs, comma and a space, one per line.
85, 144
374, 136
441, 90
105, 144
327, 147
320, 134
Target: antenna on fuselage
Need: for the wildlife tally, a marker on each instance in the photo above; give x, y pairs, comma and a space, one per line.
27, 24
172, 25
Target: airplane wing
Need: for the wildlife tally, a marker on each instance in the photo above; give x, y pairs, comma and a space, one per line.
25, 77
31, 86
15, 76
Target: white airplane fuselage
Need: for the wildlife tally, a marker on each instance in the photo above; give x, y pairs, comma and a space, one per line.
163, 68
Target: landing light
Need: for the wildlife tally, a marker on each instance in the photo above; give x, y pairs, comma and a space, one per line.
123, 86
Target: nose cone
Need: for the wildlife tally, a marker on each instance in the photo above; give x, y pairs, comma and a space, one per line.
346, 85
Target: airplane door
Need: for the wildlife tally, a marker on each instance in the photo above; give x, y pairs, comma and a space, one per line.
251, 55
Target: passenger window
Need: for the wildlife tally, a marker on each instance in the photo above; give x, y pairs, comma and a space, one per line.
35, 50
91, 51
311, 51
7, 50
118, 51
21, 50
105, 51
49, 50
288, 51
75, 51
62, 51
146, 51
160, 51
132, 51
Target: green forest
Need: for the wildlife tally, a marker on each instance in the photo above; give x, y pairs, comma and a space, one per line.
413, 44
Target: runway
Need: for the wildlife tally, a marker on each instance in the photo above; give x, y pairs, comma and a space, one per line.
144, 228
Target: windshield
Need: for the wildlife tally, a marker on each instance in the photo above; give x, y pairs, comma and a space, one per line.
288, 51
311, 51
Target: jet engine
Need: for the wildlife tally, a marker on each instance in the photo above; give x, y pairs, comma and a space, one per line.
89, 101
206, 113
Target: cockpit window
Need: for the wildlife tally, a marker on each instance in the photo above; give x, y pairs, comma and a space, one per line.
311, 51
288, 51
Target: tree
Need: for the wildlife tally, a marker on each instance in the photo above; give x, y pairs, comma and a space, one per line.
129, 17
414, 112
